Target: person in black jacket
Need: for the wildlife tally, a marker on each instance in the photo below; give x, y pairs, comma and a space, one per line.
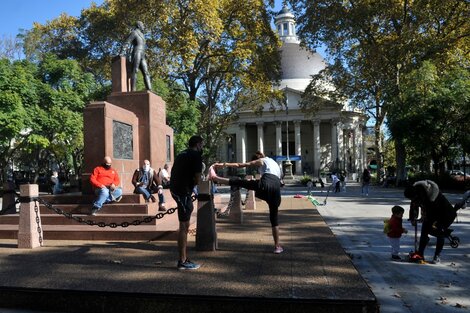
437, 215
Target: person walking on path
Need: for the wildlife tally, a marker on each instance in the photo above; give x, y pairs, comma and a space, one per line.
335, 182
267, 188
365, 182
394, 230
105, 181
185, 175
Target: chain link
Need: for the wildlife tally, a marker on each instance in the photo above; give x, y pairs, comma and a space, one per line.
38, 222
81, 220
230, 202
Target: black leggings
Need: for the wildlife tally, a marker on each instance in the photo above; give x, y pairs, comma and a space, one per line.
268, 188
426, 230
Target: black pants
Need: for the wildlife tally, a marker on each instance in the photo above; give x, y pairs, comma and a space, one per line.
426, 230
268, 188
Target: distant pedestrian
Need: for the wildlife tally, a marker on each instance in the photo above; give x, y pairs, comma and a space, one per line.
322, 184
335, 182
365, 182
342, 178
309, 186
57, 187
394, 229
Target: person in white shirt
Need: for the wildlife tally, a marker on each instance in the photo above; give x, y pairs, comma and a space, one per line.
335, 182
267, 188
164, 176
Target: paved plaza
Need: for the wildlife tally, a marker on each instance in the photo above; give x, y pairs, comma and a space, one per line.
243, 274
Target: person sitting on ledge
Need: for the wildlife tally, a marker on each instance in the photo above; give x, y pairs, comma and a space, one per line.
145, 181
105, 182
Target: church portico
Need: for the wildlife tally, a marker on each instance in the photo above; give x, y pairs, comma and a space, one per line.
328, 140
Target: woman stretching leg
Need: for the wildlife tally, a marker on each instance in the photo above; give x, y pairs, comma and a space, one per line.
267, 188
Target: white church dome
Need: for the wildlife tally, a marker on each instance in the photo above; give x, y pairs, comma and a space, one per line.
298, 64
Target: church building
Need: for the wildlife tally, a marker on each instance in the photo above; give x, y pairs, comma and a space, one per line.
330, 140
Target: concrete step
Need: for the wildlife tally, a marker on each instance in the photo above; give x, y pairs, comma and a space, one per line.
161, 229
112, 208
55, 219
78, 198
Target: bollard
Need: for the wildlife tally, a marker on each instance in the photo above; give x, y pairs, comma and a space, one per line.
250, 202
236, 213
30, 229
8, 199
206, 233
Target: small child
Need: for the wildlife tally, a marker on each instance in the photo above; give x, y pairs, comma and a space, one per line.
394, 230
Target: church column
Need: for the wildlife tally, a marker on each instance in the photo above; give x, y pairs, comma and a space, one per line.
298, 148
334, 143
316, 147
260, 136
278, 139
241, 143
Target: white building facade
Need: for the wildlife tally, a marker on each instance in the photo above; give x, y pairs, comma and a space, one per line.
330, 140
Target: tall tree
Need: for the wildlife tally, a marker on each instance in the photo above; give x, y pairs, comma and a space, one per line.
212, 50
436, 109
373, 43
41, 112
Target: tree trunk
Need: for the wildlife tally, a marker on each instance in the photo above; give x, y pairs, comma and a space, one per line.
400, 153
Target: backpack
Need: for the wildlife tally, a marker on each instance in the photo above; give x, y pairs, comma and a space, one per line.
386, 226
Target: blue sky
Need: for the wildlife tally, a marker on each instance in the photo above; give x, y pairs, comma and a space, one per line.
22, 13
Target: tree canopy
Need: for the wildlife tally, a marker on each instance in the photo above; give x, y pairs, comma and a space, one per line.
372, 44
41, 108
216, 53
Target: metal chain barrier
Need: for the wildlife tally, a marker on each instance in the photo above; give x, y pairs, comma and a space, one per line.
81, 220
229, 205
38, 222
246, 197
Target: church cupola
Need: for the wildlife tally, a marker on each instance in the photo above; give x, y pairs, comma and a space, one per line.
285, 25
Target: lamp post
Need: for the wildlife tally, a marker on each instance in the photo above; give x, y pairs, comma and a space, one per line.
288, 164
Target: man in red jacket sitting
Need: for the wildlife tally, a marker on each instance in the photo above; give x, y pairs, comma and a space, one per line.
105, 181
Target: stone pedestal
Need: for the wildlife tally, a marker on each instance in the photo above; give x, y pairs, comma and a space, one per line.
119, 75
30, 227
288, 170
206, 233
129, 127
101, 123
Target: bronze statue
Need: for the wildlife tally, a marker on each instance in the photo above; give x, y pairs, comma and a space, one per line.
136, 55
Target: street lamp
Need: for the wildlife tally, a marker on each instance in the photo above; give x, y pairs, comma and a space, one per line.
288, 164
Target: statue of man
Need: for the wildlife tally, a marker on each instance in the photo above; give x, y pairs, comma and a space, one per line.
137, 55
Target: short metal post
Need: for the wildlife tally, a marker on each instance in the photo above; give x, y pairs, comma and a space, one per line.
206, 233
30, 230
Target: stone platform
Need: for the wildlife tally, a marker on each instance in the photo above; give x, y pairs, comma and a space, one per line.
312, 275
